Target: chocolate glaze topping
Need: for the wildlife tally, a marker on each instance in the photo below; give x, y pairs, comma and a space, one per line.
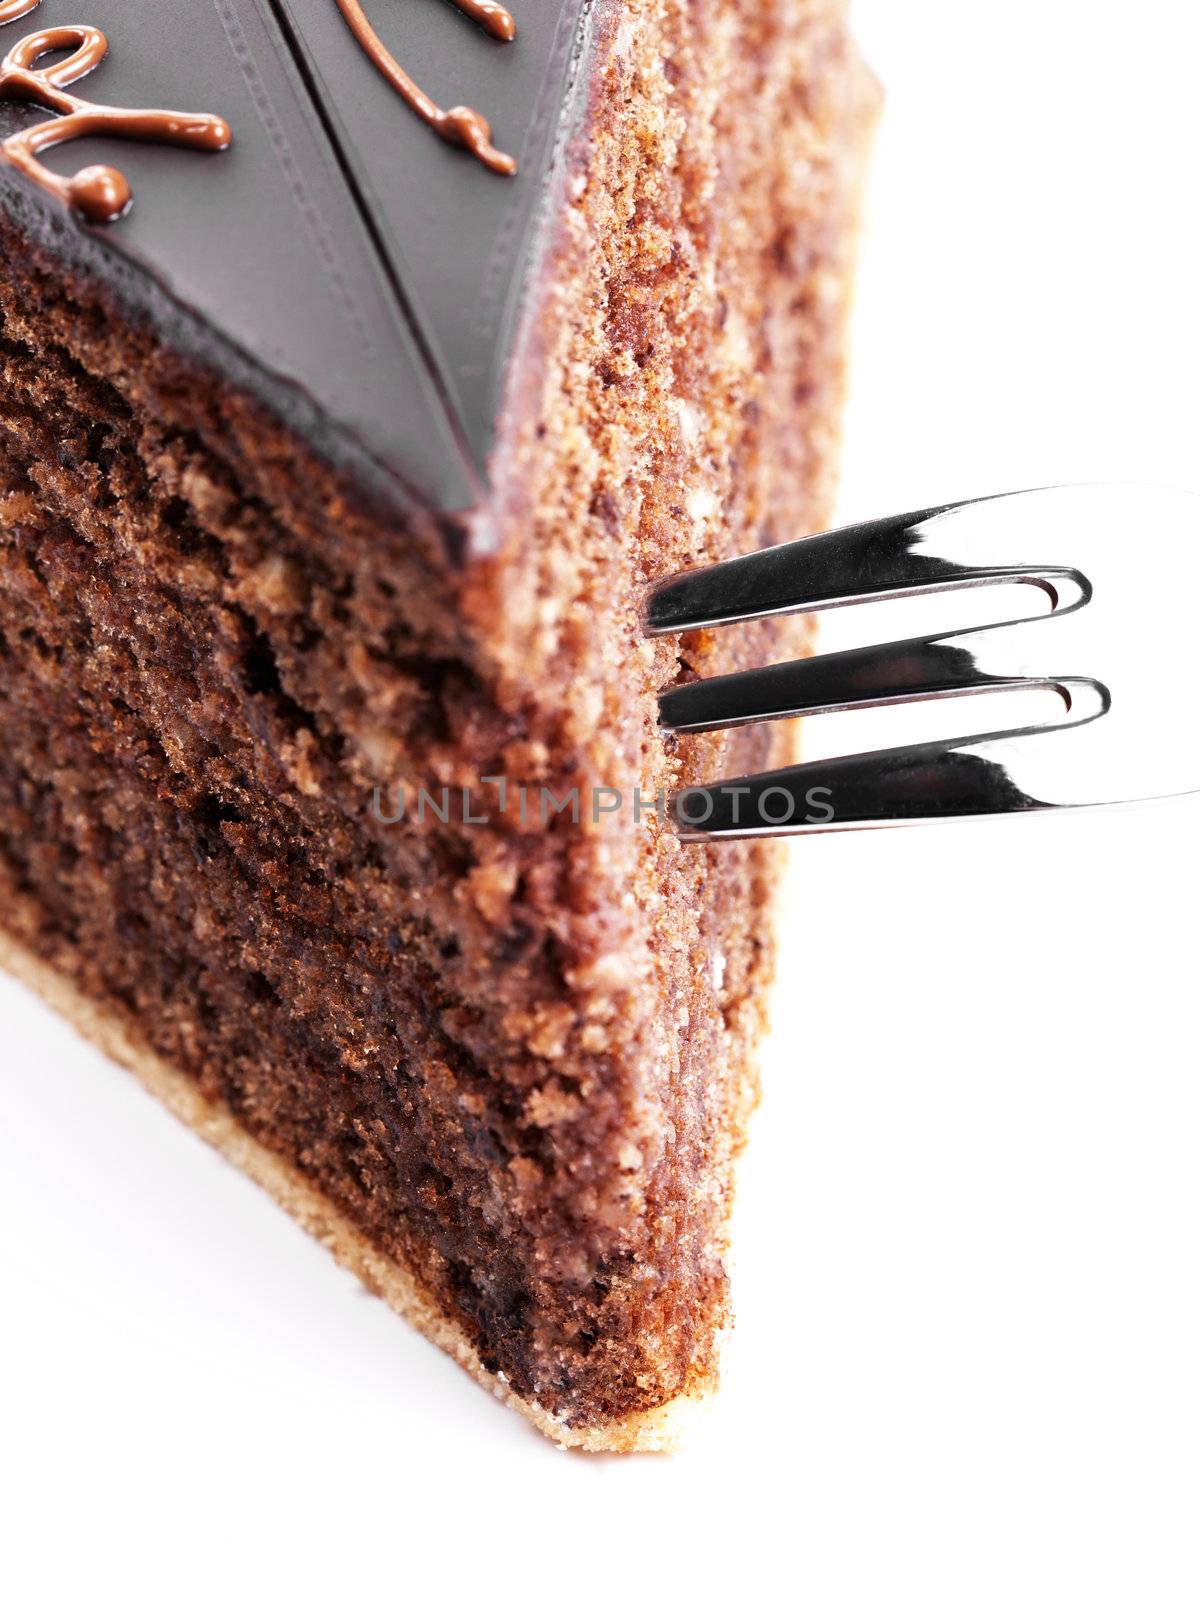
460, 125
100, 192
359, 277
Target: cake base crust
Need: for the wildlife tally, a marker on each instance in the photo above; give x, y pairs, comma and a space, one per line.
659, 1430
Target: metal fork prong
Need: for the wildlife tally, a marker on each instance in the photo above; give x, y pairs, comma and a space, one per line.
867, 561
891, 674
1129, 732
916, 783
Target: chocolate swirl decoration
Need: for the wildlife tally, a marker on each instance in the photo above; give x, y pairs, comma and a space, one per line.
460, 125
99, 193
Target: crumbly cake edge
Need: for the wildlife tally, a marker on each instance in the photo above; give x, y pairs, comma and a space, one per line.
660, 1430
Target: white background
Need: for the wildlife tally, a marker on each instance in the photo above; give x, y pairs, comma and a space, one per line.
969, 1323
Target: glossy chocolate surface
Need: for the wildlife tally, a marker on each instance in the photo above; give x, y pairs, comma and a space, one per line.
362, 275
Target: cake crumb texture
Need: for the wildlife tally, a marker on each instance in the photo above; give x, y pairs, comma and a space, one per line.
502, 1070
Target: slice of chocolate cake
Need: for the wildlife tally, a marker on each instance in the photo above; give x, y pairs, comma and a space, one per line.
348, 406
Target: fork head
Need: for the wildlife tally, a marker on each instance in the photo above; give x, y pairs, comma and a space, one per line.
1103, 554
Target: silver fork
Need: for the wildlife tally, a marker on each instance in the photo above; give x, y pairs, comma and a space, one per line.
1101, 553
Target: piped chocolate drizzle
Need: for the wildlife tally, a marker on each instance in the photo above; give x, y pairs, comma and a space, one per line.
460, 125
100, 193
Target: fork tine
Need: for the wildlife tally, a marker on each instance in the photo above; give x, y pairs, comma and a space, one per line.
910, 669
881, 788
1128, 735
866, 561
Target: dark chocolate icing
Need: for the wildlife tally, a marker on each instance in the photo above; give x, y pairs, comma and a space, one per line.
362, 278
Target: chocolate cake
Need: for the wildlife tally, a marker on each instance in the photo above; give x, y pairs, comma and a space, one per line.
340, 437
